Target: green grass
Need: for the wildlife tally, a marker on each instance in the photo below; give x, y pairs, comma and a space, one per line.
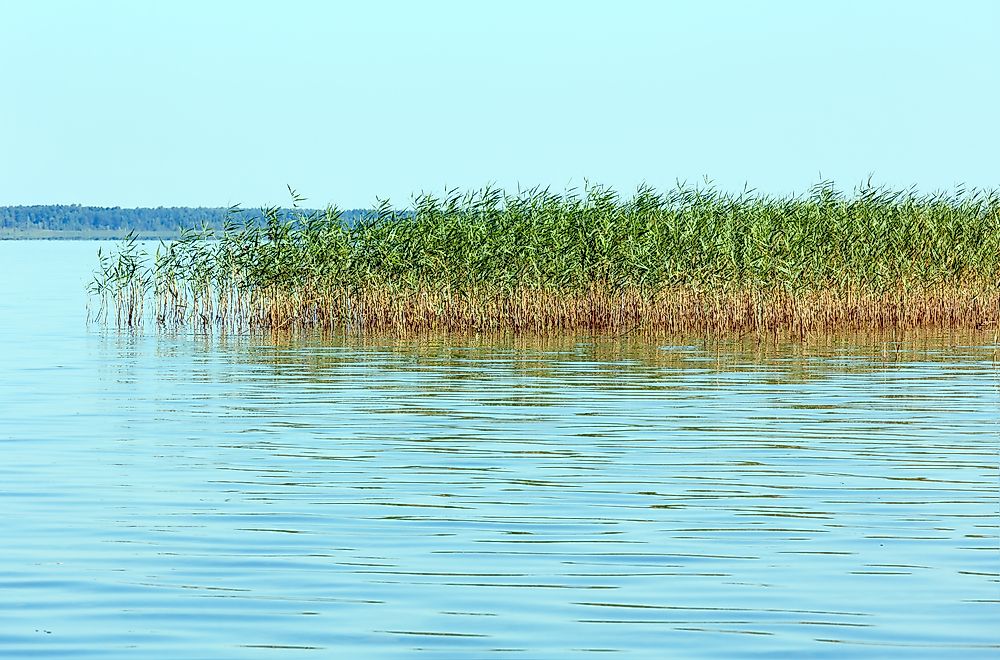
487, 245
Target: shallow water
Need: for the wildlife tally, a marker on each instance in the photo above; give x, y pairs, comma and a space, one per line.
183, 496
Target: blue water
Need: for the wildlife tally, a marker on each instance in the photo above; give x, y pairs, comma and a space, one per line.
197, 497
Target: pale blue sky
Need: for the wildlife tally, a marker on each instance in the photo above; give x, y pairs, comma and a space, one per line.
212, 103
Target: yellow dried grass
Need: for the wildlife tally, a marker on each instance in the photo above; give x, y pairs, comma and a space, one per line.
677, 310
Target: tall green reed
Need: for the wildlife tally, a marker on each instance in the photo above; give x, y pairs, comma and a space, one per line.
480, 244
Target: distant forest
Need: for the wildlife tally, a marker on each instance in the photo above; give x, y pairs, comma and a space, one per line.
75, 221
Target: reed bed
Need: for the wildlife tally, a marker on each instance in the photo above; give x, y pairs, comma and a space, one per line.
692, 259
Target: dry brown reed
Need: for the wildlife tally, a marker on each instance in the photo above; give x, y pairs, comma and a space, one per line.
630, 311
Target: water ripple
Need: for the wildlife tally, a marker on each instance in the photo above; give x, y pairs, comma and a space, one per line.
196, 497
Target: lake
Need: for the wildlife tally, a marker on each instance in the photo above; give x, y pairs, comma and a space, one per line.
184, 496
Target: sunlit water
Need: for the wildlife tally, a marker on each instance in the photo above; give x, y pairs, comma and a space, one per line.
189, 497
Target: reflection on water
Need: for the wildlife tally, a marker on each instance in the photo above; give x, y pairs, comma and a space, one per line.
246, 498
187, 497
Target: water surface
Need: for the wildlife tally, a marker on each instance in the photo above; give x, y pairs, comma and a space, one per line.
197, 497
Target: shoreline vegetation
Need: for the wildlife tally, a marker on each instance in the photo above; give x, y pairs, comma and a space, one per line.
86, 235
76, 222
691, 259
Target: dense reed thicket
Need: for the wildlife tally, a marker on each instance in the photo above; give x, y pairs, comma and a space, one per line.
688, 259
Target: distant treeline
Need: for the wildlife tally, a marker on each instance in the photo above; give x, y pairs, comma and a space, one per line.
75, 221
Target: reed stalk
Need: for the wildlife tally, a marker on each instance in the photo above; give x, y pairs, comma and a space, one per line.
691, 259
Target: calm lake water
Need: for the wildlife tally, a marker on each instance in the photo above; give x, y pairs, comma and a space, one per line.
190, 497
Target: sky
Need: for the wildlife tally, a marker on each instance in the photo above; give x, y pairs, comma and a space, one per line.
215, 103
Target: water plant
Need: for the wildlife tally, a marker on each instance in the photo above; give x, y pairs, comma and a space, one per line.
689, 259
